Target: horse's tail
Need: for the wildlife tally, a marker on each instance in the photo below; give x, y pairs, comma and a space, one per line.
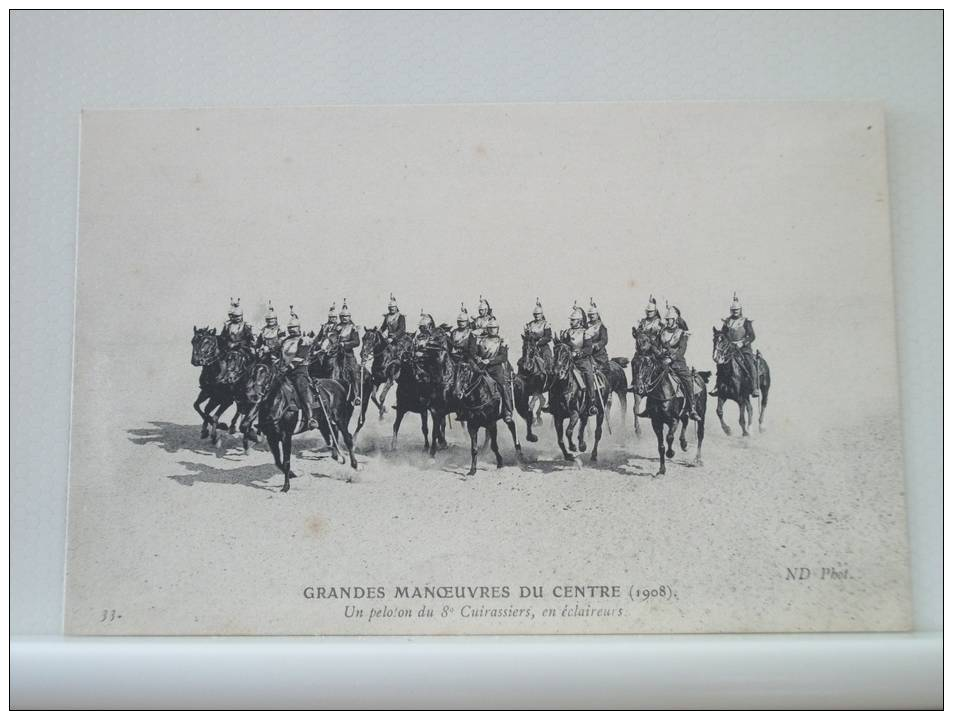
765, 377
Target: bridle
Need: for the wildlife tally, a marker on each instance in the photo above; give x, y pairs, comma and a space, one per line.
207, 349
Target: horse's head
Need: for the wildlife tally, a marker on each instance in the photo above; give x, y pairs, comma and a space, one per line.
562, 361
372, 343
260, 380
643, 341
204, 346
721, 349
463, 376
235, 364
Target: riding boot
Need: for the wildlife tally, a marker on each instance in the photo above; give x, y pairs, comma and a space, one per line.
689, 398
592, 393
753, 367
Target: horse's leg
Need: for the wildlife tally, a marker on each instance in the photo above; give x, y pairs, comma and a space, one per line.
682, 439
558, 421
209, 423
720, 411
528, 418
424, 428
383, 397
595, 445
762, 406
203, 396
636, 401
435, 418
231, 427
743, 408
623, 400
583, 423
397, 419
474, 430
341, 426
494, 445
511, 426
363, 413
286, 458
571, 430
657, 425
216, 425
699, 435
670, 439
750, 409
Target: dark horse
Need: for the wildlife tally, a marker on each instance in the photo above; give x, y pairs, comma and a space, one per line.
643, 366
732, 382
666, 407
422, 384
535, 379
205, 353
477, 397
236, 370
279, 414
567, 399
380, 366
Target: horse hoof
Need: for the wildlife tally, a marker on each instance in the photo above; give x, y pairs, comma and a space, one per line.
683, 444
583, 446
292, 475
670, 453
745, 434
532, 438
699, 462
499, 465
471, 472
569, 458
232, 430
727, 431
593, 457
203, 434
660, 472
284, 489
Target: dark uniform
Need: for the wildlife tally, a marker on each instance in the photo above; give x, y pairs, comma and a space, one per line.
673, 342
491, 353
347, 339
394, 325
582, 350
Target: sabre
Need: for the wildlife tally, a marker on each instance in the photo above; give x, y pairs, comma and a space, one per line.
334, 440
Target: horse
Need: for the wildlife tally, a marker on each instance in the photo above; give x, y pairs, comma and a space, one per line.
477, 397
535, 378
733, 382
422, 386
279, 414
206, 354
666, 407
379, 369
236, 369
643, 365
567, 399
614, 373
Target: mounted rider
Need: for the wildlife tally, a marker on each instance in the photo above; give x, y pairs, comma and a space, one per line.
597, 335
490, 353
295, 355
235, 331
485, 313
347, 339
460, 336
582, 352
673, 342
539, 334
740, 331
271, 335
394, 325
651, 325
327, 334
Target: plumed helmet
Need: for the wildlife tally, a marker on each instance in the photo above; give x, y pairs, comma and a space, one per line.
235, 309
345, 311
271, 318
425, 319
735, 304
332, 311
593, 311
293, 322
651, 307
463, 315
576, 313
538, 309
491, 323
393, 301
484, 304
670, 311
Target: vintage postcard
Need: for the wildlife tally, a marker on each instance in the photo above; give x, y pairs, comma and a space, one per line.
485, 369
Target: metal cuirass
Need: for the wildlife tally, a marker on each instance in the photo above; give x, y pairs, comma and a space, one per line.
459, 338
271, 336
735, 328
537, 328
576, 337
651, 326
670, 338
488, 346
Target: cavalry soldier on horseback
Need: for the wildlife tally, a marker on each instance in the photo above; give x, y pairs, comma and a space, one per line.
347, 339
597, 336
575, 338
425, 328
651, 325
673, 342
460, 336
485, 314
270, 337
327, 334
394, 325
295, 350
740, 332
236, 332
490, 353
540, 334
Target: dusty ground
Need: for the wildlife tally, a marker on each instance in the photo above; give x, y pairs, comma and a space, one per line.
187, 537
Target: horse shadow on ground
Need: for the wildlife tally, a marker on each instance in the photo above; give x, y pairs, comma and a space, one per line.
251, 476
174, 438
